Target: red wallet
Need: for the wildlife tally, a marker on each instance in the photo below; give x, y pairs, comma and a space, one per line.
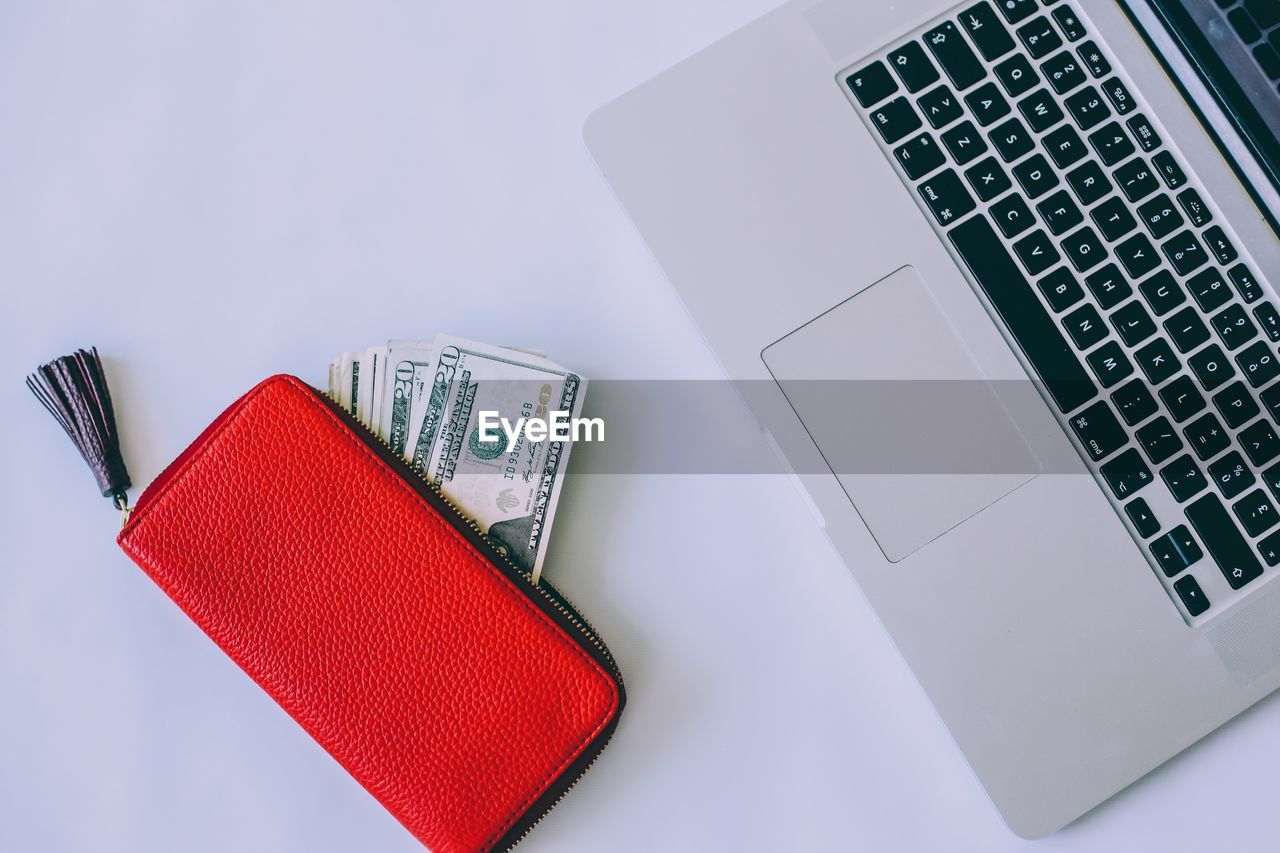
465, 698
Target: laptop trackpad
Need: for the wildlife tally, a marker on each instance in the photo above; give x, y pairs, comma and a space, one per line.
916, 435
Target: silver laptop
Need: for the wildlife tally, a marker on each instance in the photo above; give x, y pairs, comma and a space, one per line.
1001, 277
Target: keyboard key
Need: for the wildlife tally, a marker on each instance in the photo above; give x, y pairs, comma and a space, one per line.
1269, 548
1064, 146
1236, 404
1159, 440
986, 31
1012, 215
1084, 249
1016, 75
919, 156
1176, 550
1087, 108
1099, 431
1209, 290
1063, 72
1260, 443
1108, 287
1060, 289
1268, 60
1271, 477
1088, 182
954, 55
1110, 364
1223, 541
1269, 319
1134, 402
946, 197
1219, 246
987, 178
1040, 110
1231, 474
1118, 95
1012, 140
1028, 322
1185, 252
872, 84
1242, 22
1211, 367
1036, 251
1113, 218
1270, 399
1144, 520
1192, 596
895, 119
1035, 176
1111, 143
1258, 364
1234, 326
1137, 255
1266, 13
1039, 37
1085, 326
1207, 436
1160, 215
1182, 398
1142, 130
987, 104
1126, 474
1255, 512
1248, 286
1133, 323
1162, 293
940, 106
1135, 179
1157, 361
1195, 207
1069, 23
1183, 478
1093, 59
1186, 329
1059, 212
964, 142
1168, 169
913, 67
1017, 10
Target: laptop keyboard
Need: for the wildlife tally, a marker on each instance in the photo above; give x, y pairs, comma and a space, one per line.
1257, 24
1129, 295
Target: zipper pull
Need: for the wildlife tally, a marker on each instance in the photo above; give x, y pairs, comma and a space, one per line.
74, 390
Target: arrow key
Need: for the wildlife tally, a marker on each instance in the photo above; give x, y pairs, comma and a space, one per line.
1176, 550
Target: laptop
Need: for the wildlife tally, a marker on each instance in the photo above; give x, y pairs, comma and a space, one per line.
1001, 279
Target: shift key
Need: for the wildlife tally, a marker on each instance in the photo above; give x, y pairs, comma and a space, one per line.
1223, 540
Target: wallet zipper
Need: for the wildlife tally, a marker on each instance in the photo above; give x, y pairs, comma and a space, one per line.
548, 599
559, 606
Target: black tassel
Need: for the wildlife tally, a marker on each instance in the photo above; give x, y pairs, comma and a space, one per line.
74, 390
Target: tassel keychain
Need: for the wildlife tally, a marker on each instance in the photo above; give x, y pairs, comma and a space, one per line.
74, 390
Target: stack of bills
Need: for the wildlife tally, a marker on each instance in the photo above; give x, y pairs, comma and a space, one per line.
425, 401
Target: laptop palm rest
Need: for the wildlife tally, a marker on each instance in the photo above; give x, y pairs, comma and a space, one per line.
900, 412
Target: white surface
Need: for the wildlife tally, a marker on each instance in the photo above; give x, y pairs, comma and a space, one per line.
212, 192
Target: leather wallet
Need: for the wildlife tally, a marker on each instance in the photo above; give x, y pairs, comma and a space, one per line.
462, 696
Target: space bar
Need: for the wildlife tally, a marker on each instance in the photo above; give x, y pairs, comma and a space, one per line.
1030, 324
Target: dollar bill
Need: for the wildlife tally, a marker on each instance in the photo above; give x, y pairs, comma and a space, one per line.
408, 369
510, 488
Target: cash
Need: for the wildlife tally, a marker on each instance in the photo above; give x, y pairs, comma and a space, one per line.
424, 400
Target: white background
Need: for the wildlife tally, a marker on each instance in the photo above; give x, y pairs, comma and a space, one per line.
211, 192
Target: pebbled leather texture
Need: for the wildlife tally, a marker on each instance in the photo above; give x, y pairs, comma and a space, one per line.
438, 682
